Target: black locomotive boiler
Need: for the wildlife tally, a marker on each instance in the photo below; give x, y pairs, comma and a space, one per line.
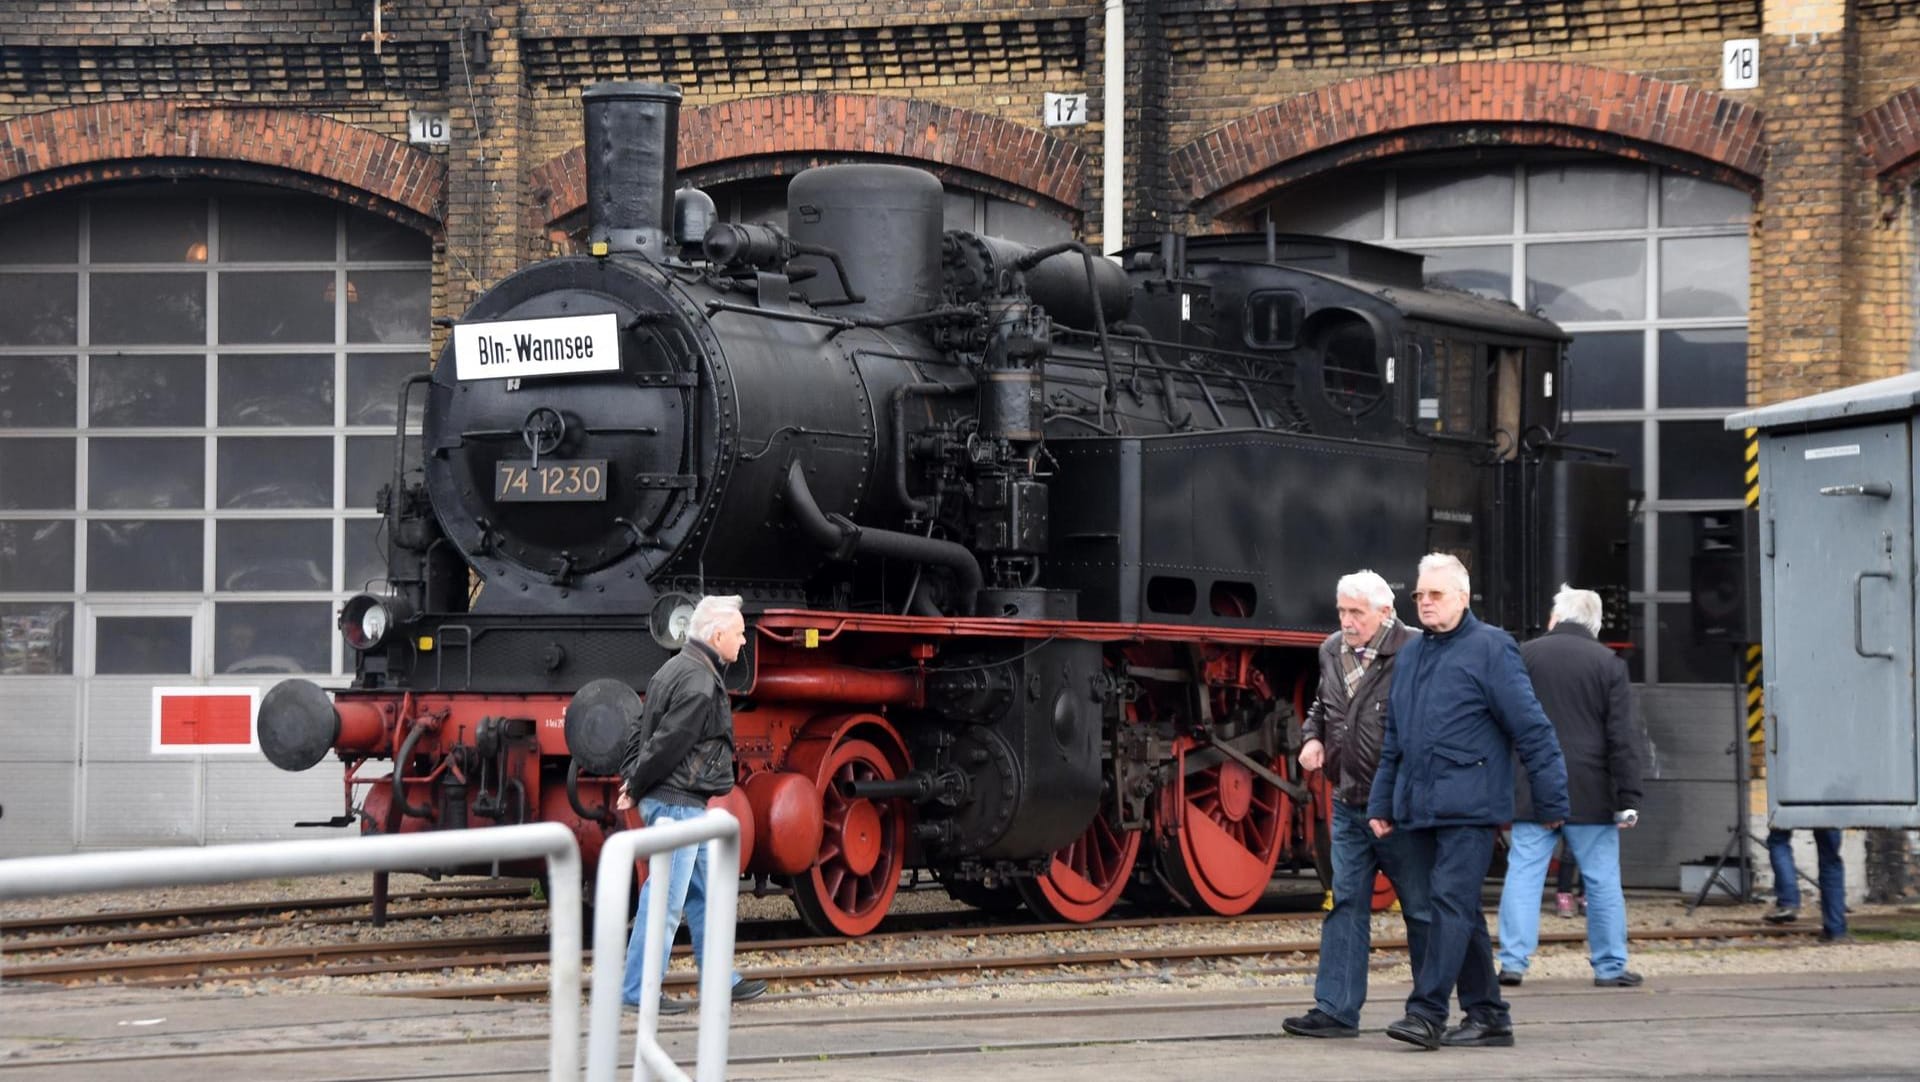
1036, 547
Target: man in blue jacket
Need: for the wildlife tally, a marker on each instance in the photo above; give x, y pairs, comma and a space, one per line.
1460, 707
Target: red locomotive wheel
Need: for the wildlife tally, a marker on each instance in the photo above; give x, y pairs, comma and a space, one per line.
1085, 877
863, 846
1231, 830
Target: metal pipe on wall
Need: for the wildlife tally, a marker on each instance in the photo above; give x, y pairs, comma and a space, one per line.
1114, 146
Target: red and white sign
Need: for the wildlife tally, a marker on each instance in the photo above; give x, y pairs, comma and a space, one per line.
205, 721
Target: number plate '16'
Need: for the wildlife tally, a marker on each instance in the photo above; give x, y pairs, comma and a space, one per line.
553, 479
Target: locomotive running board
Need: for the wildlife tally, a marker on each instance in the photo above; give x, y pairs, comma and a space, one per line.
792, 625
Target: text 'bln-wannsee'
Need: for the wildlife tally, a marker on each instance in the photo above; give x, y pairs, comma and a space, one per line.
520, 348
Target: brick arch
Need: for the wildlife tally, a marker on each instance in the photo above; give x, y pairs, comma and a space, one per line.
1478, 103
1890, 137
88, 144
779, 134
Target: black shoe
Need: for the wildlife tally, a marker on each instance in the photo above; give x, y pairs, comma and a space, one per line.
1414, 1029
1511, 977
1782, 914
1318, 1023
1831, 940
670, 1005
1627, 979
751, 988
1474, 1033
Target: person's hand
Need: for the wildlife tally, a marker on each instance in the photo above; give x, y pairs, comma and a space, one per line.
1381, 827
624, 800
1627, 819
1313, 755
1555, 825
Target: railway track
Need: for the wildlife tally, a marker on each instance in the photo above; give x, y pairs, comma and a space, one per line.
184, 918
463, 959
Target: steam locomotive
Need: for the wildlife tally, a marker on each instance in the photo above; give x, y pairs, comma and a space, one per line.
1036, 547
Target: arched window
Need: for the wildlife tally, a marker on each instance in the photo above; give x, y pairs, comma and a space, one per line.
198, 387
1647, 268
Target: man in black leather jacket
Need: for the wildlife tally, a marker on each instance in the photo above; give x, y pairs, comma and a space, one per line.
1343, 730
679, 755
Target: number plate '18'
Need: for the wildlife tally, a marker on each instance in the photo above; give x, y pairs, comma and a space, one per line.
552, 479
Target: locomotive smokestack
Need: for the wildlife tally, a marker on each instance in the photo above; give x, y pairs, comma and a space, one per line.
633, 147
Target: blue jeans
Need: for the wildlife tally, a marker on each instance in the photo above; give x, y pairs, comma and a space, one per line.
1597, 847
1346, 935
1454, 862
686, 895
1833, 876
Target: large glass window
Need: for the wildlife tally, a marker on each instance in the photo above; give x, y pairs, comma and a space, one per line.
197, 397
1648, 270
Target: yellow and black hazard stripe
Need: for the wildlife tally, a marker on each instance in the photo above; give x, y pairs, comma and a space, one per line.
1756, 699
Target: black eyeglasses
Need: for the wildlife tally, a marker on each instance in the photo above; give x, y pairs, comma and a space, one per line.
1429, 595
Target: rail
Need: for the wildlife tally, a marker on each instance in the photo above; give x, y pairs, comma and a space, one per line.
720, 832
34, 877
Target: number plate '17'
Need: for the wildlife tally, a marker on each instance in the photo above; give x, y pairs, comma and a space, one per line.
552, 479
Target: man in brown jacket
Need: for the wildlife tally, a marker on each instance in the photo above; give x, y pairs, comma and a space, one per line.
1343, 730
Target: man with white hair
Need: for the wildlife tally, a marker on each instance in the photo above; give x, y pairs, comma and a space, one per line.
1460, 707
1586, 693
1343, 731
680, 755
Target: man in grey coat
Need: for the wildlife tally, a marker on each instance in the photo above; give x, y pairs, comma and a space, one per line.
1585, 690
1343, 731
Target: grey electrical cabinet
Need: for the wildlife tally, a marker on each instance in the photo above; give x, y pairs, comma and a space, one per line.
1837, 617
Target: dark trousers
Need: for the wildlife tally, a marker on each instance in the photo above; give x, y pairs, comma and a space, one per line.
1454, 861
1346, 935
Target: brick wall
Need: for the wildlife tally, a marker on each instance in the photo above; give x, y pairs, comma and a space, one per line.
1885, 258
1835, 220
1893, 865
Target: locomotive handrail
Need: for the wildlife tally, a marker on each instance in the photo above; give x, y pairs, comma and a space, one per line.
716, 307
37, 877
720, 832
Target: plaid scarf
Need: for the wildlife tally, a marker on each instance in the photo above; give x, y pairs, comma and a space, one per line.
1354, 661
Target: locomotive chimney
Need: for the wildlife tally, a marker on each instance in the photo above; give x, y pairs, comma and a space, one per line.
633, 146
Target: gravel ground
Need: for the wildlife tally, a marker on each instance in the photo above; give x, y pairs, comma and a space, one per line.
1646, 912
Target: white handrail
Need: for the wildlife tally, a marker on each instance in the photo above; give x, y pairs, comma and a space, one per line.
721, 833
33, 877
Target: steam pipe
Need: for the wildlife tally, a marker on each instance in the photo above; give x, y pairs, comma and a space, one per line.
1167, 386
839, 536
899, 403
400, 775
840, 683
1093, 285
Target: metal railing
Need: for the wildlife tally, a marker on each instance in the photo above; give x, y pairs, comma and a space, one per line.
721, 834
32, 877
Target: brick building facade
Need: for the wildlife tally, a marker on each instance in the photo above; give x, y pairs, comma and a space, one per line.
1238, 114
1230, 105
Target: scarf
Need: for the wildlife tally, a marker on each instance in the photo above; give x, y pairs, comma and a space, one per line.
1354, 662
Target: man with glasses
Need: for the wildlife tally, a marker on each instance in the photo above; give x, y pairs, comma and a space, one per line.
1460, 707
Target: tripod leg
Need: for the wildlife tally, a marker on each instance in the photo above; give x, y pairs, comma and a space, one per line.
1713, 876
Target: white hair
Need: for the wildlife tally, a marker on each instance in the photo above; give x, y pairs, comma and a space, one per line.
1451, 567
1581, 607
1365, 586
712, 611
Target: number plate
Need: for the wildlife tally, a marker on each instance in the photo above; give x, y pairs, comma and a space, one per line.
554, 479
